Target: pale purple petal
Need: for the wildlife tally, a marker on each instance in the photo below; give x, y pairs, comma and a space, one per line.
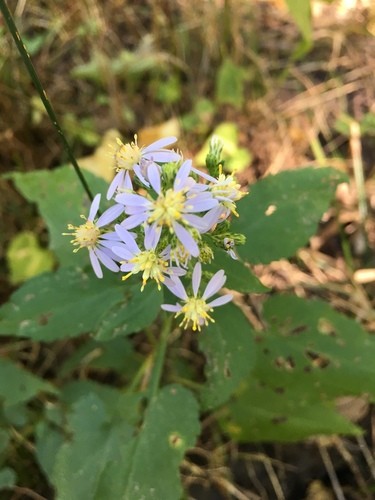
220, 301
112, 236
213, 217
162, 156
215, 284
134, 221
110, 215
204, 175
116, 182
127, 238
94, 207
95, 264
175, 271
171, 308
106, 261
127, 267
160, 143
201, 205
153, 175
134, 200
152, 236
186, 239
138, 172
175, 286
182, 175
122, 252
196, 222
196, 279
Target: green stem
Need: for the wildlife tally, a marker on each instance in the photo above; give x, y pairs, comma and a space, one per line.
159, 356
42, 94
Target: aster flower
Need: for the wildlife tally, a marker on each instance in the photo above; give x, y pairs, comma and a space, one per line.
175, 208
91, 236
225, 189
131, 157
151, 263
195, 309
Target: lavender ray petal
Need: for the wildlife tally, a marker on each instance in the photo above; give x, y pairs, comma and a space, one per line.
110, 215
127, 267
134, 200
196, 279
94, 207
171, 308
116, 182
153, 175
196, 222
201, 205
175, 286
160, 143
215, 284
127, 238
175, 271
220, 301
122, 252
106, 261
152, 236
186, 239
182, 175
162, 156
95, 264
134, 221
204, 175
138, 172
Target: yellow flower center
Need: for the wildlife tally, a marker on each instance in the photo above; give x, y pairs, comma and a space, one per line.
227, 187
127, 155
195, 312
151, 265
168, 207
85, 235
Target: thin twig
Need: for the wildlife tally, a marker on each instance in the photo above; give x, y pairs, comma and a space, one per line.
331, 472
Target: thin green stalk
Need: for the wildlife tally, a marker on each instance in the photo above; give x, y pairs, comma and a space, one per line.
42, 94
159, 355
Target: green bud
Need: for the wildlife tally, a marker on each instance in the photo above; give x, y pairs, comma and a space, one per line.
213, 158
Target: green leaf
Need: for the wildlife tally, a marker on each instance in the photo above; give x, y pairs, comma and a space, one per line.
20, 385
239, 276
104, 459
170, 427
71, 302
301, 12
7, 478
138, 312
26, 258
97, 444
283, 211
230, 84
61, 200
228, 346
309, 356
117, 354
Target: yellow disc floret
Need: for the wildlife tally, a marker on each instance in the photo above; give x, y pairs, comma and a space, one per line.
168, 208
151, 265
85, 236
195, 311
127, 155
227, 187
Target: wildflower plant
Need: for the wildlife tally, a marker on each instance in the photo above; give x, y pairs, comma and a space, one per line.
164, 223
170, 247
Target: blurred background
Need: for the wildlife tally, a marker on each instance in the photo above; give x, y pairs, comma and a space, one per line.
285, 84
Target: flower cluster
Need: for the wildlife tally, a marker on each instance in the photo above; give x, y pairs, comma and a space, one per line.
165, 221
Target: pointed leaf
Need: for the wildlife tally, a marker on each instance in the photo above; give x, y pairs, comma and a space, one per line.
309, 356
283, 211
229, 350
